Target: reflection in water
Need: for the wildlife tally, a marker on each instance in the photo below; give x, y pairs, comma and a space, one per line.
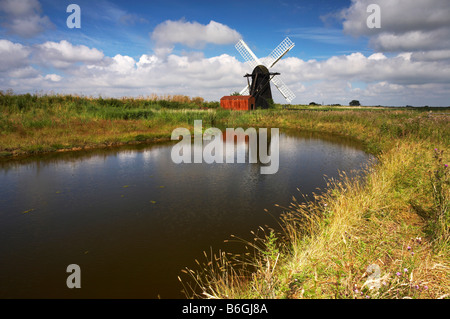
132, 219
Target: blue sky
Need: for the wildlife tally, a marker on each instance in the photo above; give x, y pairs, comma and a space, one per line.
123, 27
135, 48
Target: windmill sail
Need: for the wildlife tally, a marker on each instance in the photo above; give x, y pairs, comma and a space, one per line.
247, 54
283, 48
284, 90
245, 91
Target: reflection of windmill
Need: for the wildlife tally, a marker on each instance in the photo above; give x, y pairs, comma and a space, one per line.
261, 76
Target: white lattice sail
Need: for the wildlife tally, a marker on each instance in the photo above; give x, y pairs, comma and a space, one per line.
247, 54
245, 91
284, 90
284, 47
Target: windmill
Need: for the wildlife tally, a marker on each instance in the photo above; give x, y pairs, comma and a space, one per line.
261, 76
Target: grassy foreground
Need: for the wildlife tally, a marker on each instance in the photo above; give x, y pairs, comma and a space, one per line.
384, 236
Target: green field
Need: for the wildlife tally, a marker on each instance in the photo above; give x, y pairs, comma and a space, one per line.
396, 218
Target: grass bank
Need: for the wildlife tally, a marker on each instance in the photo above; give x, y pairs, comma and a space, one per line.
32, 124
384, 236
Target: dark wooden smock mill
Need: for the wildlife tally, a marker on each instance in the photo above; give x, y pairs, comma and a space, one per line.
259, 88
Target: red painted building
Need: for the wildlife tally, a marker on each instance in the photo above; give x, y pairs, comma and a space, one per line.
238, 102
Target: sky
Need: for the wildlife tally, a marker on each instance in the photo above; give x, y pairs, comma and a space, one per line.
343, 51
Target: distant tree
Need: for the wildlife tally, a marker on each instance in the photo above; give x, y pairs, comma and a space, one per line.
354, 103
235, 94
313, 103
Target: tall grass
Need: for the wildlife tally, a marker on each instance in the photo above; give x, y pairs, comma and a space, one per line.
23, 102
39, 123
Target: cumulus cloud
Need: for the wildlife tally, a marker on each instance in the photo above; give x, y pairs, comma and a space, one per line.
15, 63
206, 77
400, 69
411, 63
53, 77
406, 25
63, 54
434, 55
23, 17
191, 34
416, 78
13, 55
412, 41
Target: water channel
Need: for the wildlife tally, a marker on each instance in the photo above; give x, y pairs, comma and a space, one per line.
132, 219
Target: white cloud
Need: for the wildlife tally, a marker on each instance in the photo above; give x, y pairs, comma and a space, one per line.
209, 77
191, 34
63, 54
400, 69
417, 40
406, 25
13, 55
27, 72
406, 78
377, 57
147, 61
122, 64
53, 77
23, 17
434, 55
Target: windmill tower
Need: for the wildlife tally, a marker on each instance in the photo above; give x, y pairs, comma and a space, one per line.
261, 77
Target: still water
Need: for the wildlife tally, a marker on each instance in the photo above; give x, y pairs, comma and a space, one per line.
132, 219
